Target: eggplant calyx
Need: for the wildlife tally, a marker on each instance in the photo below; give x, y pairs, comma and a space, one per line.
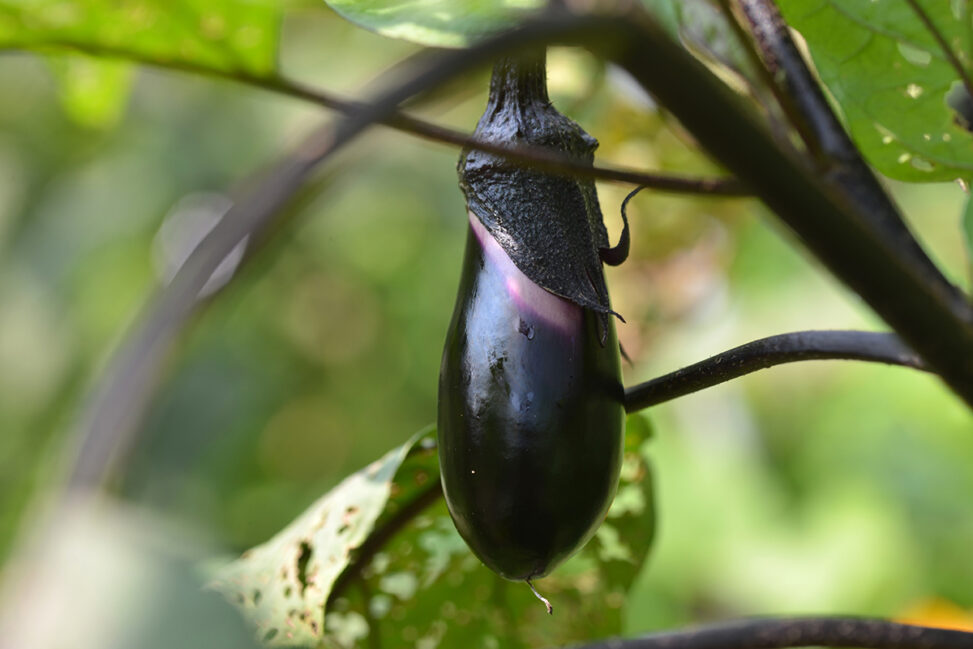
550, 226
615, 256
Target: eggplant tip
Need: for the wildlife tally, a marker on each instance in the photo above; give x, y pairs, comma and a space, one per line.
547, 603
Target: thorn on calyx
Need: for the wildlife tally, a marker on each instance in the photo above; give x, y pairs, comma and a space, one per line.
550, 609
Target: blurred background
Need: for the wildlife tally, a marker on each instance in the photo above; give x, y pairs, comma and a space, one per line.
811, 488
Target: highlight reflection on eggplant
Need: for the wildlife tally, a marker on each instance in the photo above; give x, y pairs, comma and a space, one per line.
530, 393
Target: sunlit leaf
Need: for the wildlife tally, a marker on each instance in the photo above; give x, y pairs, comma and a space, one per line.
440, 23
233, 36
967, 228
891, 79
283, 585
425, 588
93, 92
396, 567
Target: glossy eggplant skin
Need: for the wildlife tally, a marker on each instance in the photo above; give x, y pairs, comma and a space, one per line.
530, 416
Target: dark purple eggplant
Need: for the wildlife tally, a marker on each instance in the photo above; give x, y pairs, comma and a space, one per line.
530, 416
530, 393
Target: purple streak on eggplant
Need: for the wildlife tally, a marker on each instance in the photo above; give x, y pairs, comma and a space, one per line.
551, 226
530, 416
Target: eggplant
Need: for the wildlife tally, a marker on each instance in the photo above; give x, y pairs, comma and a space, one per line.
530, 394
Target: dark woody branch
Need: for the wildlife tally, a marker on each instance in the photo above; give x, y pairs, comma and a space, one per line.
771, 633
768, 352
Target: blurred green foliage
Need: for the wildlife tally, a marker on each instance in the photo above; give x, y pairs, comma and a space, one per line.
820, 487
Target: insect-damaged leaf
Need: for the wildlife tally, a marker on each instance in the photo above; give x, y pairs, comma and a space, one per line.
282, 586
418, 584
425, 588
891, 78
550, 226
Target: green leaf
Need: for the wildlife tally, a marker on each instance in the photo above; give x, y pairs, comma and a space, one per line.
703, 26
93, 92
414, 582
667, 12
232, 36
438, 23
283, 585
623, 540
891, 79
425, 588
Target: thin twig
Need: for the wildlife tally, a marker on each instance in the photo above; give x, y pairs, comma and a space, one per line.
540, 158
948, 52
768, 352
543, 159
778, 633
803, 100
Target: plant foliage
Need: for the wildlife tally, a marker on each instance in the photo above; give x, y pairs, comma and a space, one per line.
421, 585
891, 78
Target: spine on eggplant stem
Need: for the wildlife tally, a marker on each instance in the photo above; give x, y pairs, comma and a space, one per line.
530, 395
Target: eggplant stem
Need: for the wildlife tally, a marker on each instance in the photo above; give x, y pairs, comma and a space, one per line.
547, 603
618, 254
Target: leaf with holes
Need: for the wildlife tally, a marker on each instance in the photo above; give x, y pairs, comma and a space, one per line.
439, 23
425, 588
891, 78
283, 585
228, 36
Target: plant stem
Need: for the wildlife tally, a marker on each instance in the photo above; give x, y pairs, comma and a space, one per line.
929, 315
771, 633
536, 157
768, 352
803, 101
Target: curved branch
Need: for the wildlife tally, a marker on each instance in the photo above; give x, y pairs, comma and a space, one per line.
778, 633
930, 315
800, 95
767, 352
543, 159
